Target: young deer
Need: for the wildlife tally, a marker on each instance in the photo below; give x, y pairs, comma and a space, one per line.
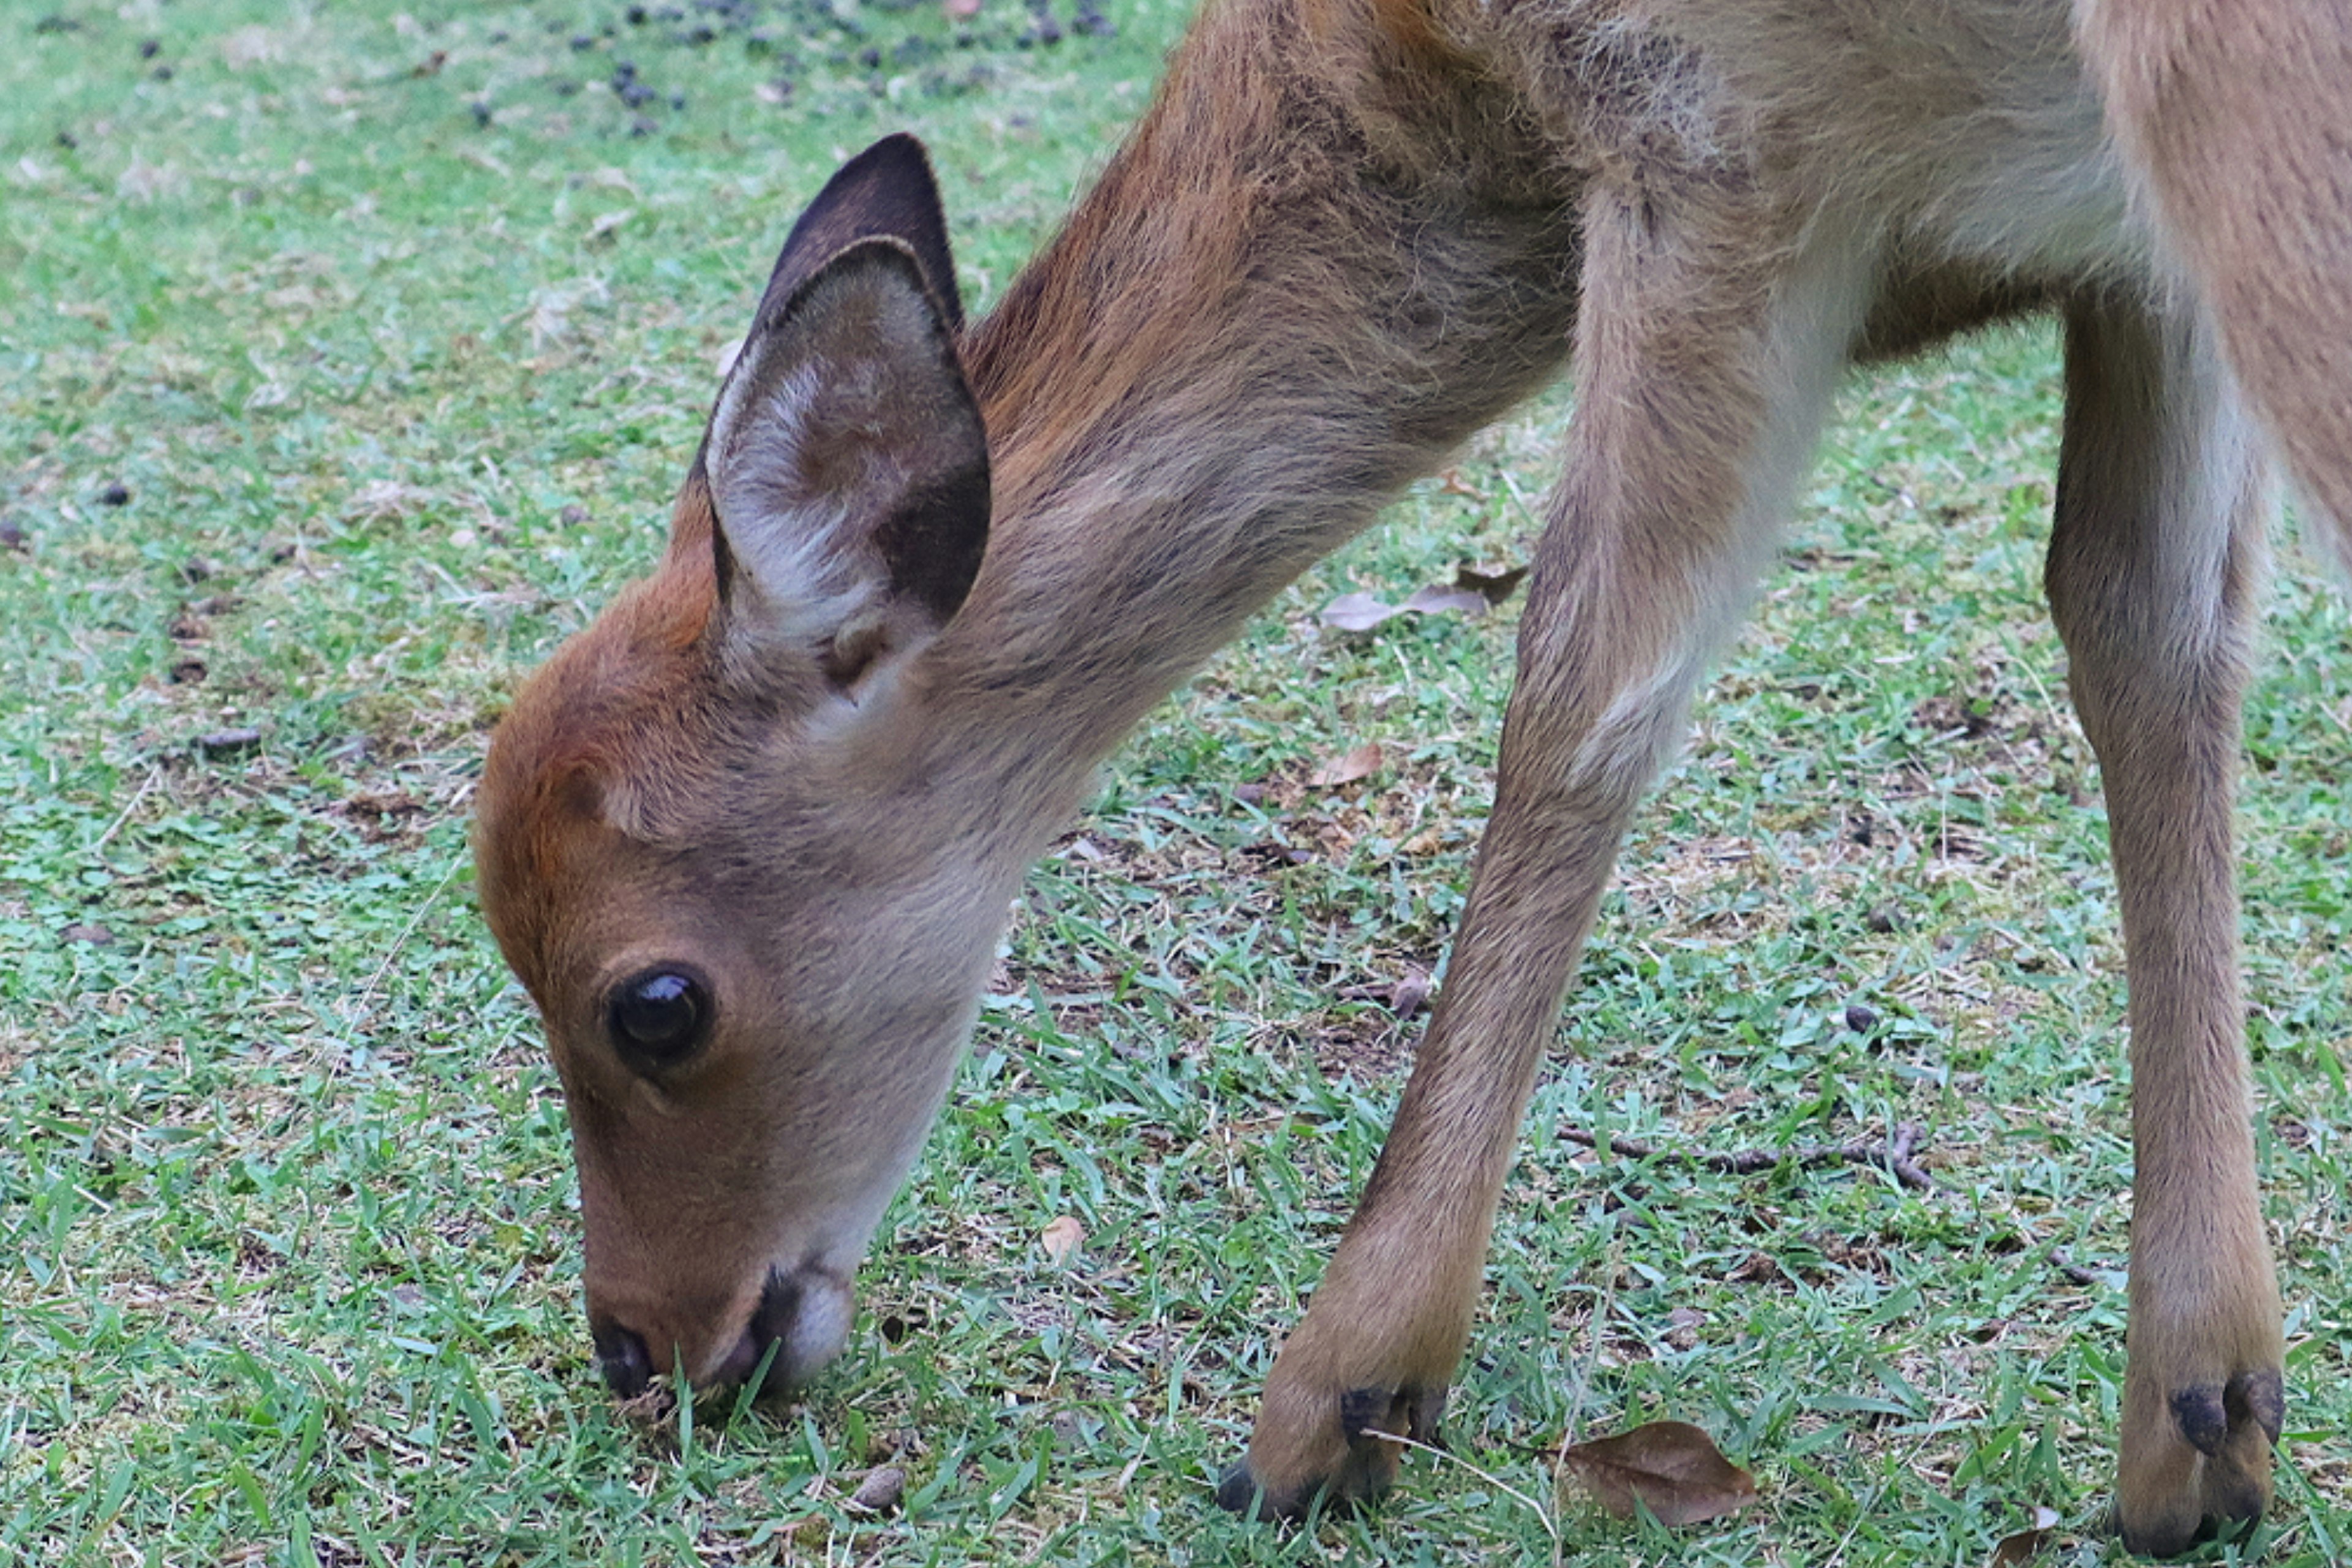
750, 840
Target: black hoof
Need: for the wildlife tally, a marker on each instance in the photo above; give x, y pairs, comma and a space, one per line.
1369, 1419
2218, 1421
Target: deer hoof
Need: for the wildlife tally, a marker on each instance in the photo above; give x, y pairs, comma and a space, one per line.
1353, 1459
2205, 1471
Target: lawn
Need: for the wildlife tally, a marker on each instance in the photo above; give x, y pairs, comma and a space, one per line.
347, 361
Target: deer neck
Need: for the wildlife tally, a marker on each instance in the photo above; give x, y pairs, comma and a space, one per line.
1286, 298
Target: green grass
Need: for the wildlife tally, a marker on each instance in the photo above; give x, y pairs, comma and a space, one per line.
396, 397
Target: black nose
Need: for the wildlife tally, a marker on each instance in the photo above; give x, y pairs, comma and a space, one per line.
629, 1370
772, 1320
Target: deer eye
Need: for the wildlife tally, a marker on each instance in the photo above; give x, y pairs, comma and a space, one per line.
658, 1017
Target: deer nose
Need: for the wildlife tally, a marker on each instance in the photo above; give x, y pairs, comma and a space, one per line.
800, 1323
629, 1370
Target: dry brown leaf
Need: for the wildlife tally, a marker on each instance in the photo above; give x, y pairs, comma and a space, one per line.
1355, 613
1439, 600
1348, 767
1061, 1240
1491, 586
880, 1490
1671, 1467
1450, 482
1410, 994
2025, 1545
1472, 593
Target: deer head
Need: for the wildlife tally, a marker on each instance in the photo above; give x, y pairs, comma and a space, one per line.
721, 845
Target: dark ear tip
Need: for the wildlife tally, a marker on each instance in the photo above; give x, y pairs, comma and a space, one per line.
888, 191
900, 155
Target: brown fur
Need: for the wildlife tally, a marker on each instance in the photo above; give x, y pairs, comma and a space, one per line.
1347, 232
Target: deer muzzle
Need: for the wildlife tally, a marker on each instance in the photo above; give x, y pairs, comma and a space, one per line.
799, 1324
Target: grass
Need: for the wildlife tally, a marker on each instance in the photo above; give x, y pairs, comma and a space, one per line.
349, 361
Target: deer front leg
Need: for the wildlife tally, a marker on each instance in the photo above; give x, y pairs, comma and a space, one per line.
2152, 571
1701, 390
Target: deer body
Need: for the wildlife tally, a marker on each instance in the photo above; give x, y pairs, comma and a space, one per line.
750, 839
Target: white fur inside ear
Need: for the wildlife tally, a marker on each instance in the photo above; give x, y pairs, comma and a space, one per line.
788, 537
824, 423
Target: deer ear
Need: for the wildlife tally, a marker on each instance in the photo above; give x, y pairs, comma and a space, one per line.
846, 461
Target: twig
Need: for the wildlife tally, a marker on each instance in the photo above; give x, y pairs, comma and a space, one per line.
1893, 1154
357, 1014
2076, 1271
1543, 1516
124, 814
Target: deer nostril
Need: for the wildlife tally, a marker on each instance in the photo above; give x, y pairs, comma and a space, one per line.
772, 1320
629, 1370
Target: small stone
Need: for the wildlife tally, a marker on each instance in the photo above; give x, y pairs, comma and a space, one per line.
1862, 1020
114, 495
1883, 919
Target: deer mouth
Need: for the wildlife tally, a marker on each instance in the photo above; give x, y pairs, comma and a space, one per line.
799, 1324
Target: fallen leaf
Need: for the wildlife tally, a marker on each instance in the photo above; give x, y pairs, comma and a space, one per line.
1450, 482
1670, 1468
1355, 613
882, 1486
1470, 594
248, 46
1439, 600
387, 500
144, 182
220, 742
1061, 1240
1348, 767
1410, 992
1491, 586
2025, 1545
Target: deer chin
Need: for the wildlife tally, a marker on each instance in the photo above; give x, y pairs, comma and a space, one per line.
800, 1325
